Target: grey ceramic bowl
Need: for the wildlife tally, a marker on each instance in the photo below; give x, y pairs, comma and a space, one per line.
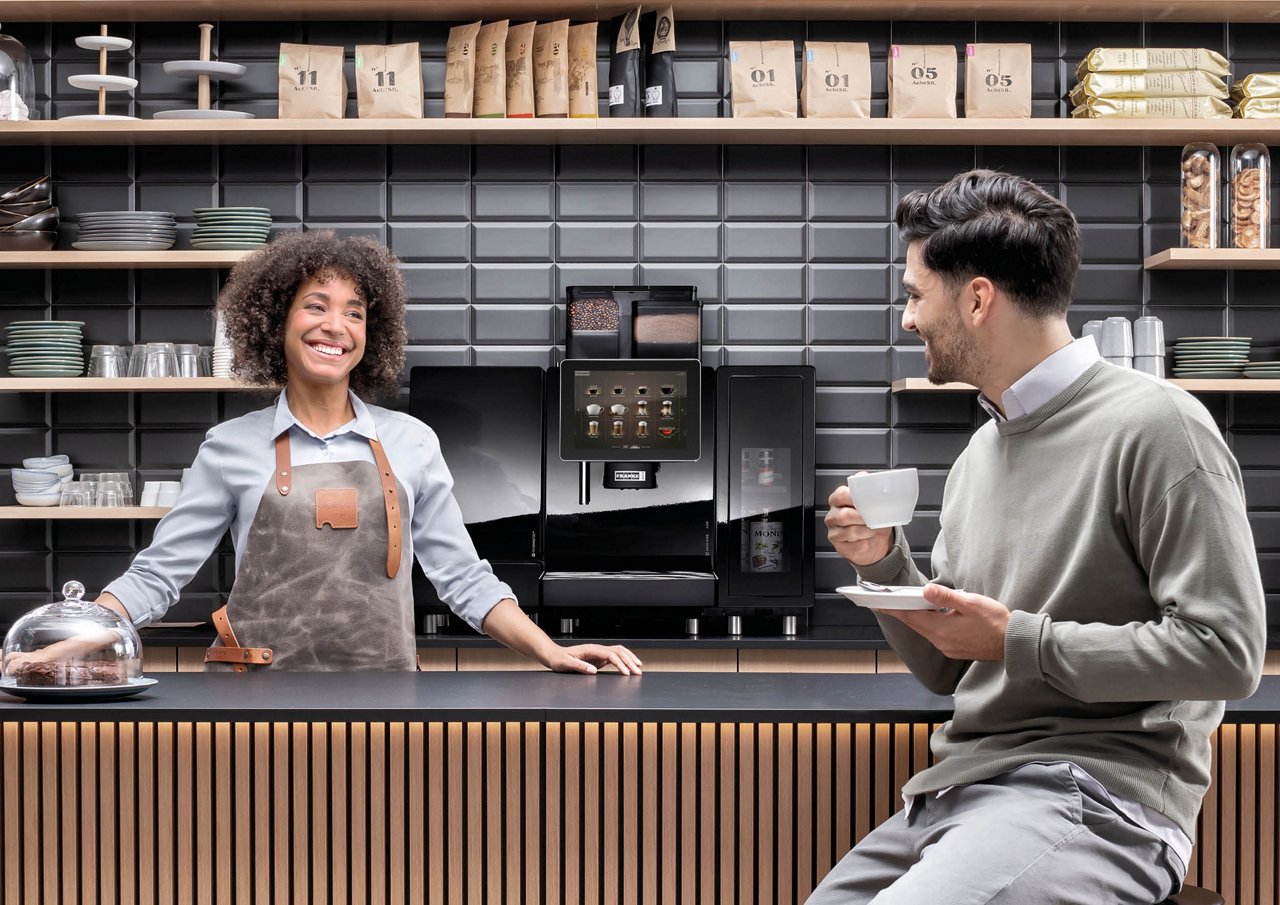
45, 221
36, 190
12, 213
27, 240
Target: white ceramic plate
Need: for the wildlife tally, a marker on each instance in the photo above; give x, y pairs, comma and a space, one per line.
103, 42
202, 114
192, 68
93, 82
96, 117
909, 597
75, 692
238, 210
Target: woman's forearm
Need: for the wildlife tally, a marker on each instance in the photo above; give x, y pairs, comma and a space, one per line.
508, 624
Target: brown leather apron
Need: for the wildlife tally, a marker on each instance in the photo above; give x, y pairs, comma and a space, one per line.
325, 582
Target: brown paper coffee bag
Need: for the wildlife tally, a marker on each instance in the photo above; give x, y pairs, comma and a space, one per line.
997, 81
389, 81
551, 69
837, 79
922, 80
584, 91
312, 83
460, 71
763, 78
519, 71
491, 71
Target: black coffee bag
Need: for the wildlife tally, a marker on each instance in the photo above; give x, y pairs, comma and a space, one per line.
626, 67
659, 31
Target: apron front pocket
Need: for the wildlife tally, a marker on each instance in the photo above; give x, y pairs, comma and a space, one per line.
337, 507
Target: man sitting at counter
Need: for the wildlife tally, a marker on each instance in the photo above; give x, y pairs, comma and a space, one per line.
1095, 579
328, 498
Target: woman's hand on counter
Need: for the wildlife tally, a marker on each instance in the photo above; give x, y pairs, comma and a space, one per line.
507, 623
588, 658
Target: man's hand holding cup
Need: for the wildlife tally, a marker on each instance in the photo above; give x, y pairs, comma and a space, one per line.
863, 513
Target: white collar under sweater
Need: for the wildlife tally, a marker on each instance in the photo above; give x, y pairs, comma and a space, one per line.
1046, 380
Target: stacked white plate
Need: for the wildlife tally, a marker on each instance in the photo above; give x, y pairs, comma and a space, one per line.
1263, 370
230, 228
45, 348
220, 366
1210, 357
126, 231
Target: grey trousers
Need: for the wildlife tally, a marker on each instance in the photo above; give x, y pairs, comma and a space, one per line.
1027, 838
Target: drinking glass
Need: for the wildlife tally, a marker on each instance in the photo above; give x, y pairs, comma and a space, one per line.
107, 361
73, 494
137, 359
161, 361
188, 356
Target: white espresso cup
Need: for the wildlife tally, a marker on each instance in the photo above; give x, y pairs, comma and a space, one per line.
885, 499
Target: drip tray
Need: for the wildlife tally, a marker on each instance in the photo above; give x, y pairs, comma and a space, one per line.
629, 588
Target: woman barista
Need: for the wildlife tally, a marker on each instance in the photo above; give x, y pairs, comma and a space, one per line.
327, 498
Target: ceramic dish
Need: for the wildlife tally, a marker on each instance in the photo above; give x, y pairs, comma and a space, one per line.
900, 597
39, 189
227, 246
93, 81
52, 693
122, 246
202, 114
38, 499
243, 210
211, 68
96, 117
103, 42
27, 240
1206, 375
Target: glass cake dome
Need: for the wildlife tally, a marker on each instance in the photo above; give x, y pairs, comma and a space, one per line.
71, 643
17, 80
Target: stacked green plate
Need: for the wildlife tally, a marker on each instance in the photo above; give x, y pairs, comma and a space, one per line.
230, 228
1210, 357
45, 348
1263, 370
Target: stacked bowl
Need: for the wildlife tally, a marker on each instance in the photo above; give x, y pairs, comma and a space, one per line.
1263, 370
126, 231
230, 228
28, 219
1210, 357
39, 482
45, 348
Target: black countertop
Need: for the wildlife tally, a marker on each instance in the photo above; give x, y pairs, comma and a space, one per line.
537, 697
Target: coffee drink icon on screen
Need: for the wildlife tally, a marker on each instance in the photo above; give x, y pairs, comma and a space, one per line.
618, 409
666, 408
642, 429
618, 391
617, 428
593, 428
642, 391
668, 389
593, 391
594, 410
642, 408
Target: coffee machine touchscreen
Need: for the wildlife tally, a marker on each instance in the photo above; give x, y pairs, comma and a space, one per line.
644, 410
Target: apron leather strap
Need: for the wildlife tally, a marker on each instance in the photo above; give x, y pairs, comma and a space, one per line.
392, 501
283, 464
231, 651
389, 496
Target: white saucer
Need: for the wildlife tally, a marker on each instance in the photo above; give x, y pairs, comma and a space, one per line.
902, 597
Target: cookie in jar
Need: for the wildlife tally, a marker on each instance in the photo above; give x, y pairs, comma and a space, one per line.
1250, 196
1201, 167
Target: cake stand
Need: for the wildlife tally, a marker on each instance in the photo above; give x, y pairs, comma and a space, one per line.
101, 82
204, 70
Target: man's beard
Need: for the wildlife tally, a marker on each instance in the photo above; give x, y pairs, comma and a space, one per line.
953, 356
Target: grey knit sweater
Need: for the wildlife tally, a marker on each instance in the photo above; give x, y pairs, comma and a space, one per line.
1111, 522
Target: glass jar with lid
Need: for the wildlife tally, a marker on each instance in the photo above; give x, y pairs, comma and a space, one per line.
1201, 176
71, 643
17, 80
1250, 196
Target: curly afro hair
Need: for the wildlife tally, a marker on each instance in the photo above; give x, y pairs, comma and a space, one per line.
256, 299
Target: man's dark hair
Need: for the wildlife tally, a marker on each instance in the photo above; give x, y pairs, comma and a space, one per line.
998, 226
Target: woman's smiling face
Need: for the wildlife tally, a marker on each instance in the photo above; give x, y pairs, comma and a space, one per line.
324, 333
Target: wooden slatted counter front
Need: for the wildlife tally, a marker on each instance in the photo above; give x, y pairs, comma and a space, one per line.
507, 788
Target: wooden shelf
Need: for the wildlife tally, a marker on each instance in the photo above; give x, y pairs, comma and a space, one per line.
1239, 385
464, 10
35, 513
125, 385
118, 260
687, 130
1214, 259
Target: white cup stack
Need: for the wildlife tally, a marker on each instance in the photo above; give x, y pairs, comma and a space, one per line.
220, 360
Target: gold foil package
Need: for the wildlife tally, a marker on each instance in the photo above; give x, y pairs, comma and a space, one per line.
1258, 108
1257, 84
1152, 108
1153, 59
1178, 83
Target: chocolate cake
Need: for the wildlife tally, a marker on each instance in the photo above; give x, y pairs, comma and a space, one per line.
51, 673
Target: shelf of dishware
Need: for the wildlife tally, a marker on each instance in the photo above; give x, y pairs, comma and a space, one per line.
124, 385
118, 260
1237, 385
59, 513
465, 10
1214, 259
684, 130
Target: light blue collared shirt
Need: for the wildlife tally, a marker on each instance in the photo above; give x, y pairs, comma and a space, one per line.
1046, 380
235, 465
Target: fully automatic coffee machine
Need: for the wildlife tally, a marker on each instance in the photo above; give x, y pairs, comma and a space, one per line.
672, 495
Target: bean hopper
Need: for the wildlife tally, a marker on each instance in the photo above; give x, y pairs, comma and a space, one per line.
72, 648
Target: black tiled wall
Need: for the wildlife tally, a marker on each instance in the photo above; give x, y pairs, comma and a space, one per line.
791, 249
